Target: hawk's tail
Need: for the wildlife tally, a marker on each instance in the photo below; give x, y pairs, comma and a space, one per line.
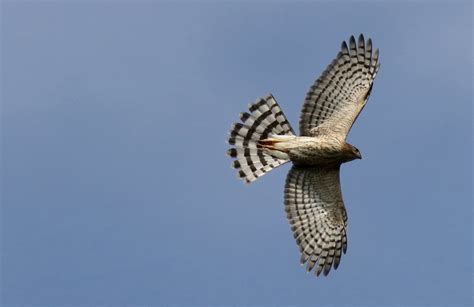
265, 118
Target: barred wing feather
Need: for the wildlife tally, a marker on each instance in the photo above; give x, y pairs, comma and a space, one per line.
316, 213
335, 100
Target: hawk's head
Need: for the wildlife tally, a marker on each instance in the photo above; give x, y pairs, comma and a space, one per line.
351, 152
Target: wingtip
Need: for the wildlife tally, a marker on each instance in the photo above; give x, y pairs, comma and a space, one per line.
369, 44
344, 47
327, 269
318, 271
352, 40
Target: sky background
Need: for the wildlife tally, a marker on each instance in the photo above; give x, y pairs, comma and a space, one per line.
116, 190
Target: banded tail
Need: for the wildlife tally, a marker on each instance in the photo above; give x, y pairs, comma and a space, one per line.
265, 119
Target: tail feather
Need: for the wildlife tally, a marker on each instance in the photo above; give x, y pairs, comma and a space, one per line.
264, 119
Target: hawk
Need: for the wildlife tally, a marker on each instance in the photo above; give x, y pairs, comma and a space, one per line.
313, 199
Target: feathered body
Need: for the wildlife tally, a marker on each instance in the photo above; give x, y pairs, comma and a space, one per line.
309, 151
264, 140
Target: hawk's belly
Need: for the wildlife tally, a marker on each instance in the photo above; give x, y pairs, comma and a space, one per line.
305, 155
303, 150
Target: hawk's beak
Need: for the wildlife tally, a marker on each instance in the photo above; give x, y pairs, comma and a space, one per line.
359, 156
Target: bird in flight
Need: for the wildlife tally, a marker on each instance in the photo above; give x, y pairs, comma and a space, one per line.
264, 140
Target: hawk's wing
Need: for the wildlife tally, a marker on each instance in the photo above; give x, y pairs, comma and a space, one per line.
337, 97
315, 210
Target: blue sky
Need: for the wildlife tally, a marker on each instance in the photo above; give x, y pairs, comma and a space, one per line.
116, 190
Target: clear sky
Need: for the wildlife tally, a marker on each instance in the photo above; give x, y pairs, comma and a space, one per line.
116, 189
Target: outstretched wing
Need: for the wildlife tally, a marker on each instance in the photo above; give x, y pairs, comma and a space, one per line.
315, 210
337, 97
